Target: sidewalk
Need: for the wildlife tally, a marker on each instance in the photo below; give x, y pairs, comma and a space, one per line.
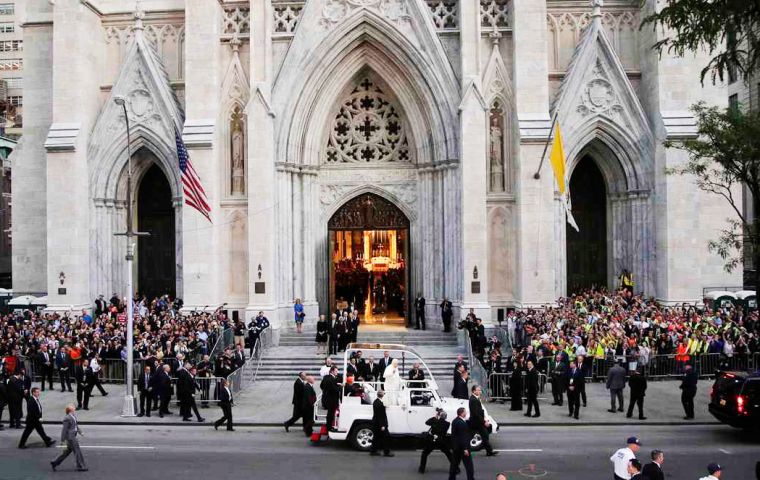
267, 403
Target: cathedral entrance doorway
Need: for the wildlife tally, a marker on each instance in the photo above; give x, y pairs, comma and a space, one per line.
156, 263
587, 249
369, 259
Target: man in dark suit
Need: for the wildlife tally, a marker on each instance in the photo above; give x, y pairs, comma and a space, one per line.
688, 391
15, 394
81, 381
185, 391
163, 390
460, 443
34, 420
436, 438
576, 383
3, 395
460, 386
446, 313
145, 389
309, 400
416, 373
370, 370
45, 362
616, 384
192, 406
383, 364
225, 403
419, 311
478, 422
63, 364
89, 384
298, 400
330, 395
638, 385
653, 469
380, 427
531, 389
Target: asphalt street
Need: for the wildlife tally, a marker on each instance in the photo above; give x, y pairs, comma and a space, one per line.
578, 452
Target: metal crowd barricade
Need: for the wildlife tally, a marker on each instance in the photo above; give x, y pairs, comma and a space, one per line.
499, 387
113, 370
208, 392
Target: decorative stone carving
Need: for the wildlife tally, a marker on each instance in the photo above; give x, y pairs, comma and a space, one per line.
238, 151
368, 211
445, 13
494, 13
286, 16
406, 192
329, 194
236, 21
496, 149
368, 128
166, 39
599, 95
334, 11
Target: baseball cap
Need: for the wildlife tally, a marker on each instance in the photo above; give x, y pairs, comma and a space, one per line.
712, 468
633, 440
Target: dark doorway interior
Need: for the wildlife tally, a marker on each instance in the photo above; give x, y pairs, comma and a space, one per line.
156, 264
587, 249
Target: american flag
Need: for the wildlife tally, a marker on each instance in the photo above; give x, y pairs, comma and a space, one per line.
195, 196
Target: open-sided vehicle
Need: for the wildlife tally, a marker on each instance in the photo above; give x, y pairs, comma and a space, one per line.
417, 401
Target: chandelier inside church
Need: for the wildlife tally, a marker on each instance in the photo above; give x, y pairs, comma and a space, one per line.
368, 128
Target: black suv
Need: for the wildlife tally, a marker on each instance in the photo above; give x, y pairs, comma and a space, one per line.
735, 399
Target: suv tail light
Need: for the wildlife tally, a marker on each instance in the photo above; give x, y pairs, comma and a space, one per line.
740, 403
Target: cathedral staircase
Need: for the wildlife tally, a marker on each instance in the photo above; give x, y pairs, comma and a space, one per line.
297, 352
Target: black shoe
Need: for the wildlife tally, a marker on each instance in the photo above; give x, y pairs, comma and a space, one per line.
22, 447
642, 418
620, 409
172, 413
576, 417
570, 415
105, 394
527, 415
82, 469
420, 470
53, 465
63, 391
611, 411
628, 416
216, 427
201, 419
287, 427
85, 408
187, 419
140, 414
536, 415
584, 405
147, 415
230, 429
389, 454
492, 454
71, 391
160, 415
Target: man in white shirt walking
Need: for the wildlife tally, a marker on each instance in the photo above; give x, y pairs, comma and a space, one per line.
714, 471
623, 456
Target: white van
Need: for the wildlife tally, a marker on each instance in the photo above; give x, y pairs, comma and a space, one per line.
417, 401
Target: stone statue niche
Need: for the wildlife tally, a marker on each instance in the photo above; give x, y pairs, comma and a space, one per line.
237, 152
496, 149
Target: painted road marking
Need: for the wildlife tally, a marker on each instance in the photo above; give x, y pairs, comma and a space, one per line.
518, 450
725, 451
113, 447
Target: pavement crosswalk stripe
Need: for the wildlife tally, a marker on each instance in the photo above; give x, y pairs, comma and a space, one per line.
518, 450
113, 447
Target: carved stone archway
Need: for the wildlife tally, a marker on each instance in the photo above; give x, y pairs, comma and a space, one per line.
368, 212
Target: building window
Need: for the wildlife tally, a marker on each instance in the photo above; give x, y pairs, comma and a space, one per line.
11, 45
11, 64
7, 9
14, 82
7, 28
733, 102
16, 100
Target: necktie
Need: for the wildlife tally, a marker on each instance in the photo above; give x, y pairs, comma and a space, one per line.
39, 406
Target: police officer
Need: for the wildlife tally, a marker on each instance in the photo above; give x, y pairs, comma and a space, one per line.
436, 438
622, 457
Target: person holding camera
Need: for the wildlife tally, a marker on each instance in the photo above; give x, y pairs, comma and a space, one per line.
436, 438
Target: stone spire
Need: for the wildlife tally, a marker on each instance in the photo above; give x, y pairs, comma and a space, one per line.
596, 8
138, 15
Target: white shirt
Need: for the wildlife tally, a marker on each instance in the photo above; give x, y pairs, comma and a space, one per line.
709, 477
325, 370
94, 365
621, 459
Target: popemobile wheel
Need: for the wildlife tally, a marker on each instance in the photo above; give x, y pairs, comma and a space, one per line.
476, 443
361, 437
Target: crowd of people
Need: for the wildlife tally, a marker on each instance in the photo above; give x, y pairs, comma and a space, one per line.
80, 350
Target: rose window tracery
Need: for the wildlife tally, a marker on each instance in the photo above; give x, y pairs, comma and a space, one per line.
368, 129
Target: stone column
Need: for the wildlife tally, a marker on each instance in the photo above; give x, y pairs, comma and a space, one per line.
69, 205
200, 240
537, 239
262, 197
473, 156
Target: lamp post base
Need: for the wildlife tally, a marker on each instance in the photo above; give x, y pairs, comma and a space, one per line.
129, 409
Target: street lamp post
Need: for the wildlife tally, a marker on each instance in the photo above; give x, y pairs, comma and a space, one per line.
129, 408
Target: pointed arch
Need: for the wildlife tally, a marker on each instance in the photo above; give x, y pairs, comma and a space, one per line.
427, 90
499, 99
233, 138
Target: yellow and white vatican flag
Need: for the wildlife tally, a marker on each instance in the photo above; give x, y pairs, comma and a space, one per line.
557, 158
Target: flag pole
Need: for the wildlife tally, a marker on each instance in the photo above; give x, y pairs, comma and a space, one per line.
537, 175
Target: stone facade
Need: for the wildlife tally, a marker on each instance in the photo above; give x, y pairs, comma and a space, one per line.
291, 108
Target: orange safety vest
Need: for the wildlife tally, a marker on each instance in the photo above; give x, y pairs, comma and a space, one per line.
682, 353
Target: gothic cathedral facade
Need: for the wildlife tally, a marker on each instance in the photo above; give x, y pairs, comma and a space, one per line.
397, 136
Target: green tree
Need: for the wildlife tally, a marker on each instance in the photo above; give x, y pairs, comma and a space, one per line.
725, 156
728, 29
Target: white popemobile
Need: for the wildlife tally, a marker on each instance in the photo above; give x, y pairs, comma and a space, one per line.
410, 405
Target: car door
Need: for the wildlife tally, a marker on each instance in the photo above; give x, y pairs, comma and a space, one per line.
421, 407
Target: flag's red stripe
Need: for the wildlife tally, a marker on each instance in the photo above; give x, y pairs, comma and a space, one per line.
201, 200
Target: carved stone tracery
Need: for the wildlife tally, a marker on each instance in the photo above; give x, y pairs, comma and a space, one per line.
334, 11
599, 95
368, 212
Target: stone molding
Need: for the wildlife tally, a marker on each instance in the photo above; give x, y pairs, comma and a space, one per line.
62, 137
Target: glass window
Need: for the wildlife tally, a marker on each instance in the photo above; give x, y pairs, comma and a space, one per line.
733, 102
16, 100
7, 9
7, 28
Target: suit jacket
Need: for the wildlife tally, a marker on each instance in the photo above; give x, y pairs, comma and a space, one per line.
309, 398
70, 428
185, 383
477, 414
368, 370
33, 411
576, 379
531, 382
62, 360
379, 417
638, 385
79, 375
298, 388
652, 471
419, 305
141, 382
330, 392
225, 397
383, 364
15, 389
42, 362
460, 389
460, 434
689, 382
616, 378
